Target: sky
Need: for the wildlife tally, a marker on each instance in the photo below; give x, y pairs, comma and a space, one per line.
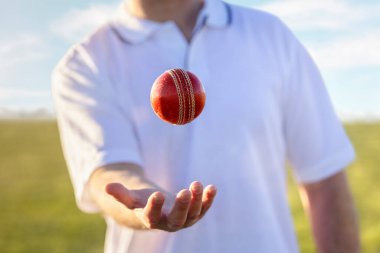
343, 36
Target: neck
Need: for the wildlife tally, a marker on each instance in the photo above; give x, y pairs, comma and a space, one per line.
183, 12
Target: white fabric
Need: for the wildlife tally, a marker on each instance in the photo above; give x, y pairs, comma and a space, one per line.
266, 102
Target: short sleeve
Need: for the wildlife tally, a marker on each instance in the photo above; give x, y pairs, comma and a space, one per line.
94, 130
317, 144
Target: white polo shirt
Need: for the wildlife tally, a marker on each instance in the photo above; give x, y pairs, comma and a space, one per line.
266, 103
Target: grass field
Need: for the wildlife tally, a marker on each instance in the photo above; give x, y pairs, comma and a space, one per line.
38, 213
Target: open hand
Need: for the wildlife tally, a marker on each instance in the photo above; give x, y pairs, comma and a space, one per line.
158, 210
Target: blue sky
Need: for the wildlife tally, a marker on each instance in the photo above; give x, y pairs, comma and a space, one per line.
343, 36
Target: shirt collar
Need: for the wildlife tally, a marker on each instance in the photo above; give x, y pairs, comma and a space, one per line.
214, 14
218, 13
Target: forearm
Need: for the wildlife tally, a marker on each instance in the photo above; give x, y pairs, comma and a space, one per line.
331, 210
132, 177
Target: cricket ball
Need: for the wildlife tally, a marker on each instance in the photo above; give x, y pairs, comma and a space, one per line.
177, 96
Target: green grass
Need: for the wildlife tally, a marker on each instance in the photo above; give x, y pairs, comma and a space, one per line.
37, 208
363, 175
38, 213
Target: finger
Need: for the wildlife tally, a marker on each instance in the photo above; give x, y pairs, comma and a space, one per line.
152, 210
177, 217
196, 189
123, 195
209, 194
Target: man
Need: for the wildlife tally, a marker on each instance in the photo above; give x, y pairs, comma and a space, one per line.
266, 103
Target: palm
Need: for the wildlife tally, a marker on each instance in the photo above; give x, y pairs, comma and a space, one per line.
164, 211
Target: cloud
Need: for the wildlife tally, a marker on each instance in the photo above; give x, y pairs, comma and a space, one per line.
10, 93
351, 52
359, 116
20, 49
343, 37
76, 23
340, 34
323, 14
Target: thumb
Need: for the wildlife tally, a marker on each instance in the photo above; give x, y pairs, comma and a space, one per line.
123, 195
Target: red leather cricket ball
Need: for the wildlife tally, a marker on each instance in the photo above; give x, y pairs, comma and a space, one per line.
177, 96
